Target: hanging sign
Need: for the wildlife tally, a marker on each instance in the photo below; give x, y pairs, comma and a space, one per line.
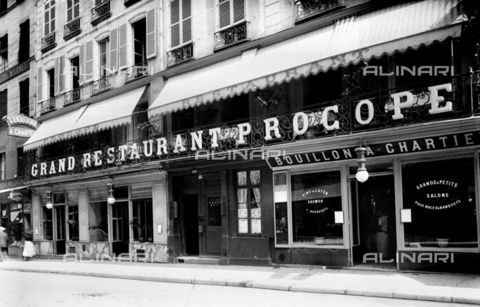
16, 196
20, 125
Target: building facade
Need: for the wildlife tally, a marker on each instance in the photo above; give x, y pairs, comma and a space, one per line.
331, 133
17, 84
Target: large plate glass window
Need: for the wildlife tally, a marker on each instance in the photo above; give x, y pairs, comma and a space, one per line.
315, 198
440, 197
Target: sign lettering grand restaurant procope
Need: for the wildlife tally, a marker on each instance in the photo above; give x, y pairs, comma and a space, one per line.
204, 143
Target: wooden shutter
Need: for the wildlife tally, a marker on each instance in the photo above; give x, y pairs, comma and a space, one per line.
151, 34
186, 21
224, 14
61, 74
175, 23
122, 46
56, 73
113, 50
81, 65
88, 61
238, 10
39, 84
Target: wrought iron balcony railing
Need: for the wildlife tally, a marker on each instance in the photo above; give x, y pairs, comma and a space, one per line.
136, 71
48, 42
72, 96
230, 36
101, 85
179, 55
47, 105
304, 9
72, 29
130, 2
101, 12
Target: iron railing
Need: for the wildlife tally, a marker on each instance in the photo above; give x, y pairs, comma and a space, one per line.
71, 29
72, 96
180, 54
101, 12
130, 2
305, 9
230, 36
48, 42
47, 105
101, 85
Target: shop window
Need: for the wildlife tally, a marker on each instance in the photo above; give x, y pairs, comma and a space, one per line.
73, 223
24, 93
440, 197
98, 219
142, 224
280, 197
315, 198
47, 223
249, 202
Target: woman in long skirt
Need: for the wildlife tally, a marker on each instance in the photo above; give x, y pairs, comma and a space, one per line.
28, 248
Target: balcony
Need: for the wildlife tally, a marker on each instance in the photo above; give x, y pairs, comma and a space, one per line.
101, 85
47, 106
128, 3
305, 9
137, 71
48, 42
72, 96
231, 36
101, 12
71, 29
180, 55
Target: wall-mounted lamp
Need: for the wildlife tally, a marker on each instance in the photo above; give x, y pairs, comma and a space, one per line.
362, 173
49, 203
110, 197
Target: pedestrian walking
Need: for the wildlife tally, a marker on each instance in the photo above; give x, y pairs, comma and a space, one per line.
3, 243
28, 247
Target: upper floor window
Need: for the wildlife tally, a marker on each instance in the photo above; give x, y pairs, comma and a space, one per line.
230, 12
24, 43
3, 53
139, 42
103, 47
3, 103
2, 166
51, 83
73, 9
24, 93
49, 21
180, 22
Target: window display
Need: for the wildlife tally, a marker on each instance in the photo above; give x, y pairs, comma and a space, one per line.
441, 199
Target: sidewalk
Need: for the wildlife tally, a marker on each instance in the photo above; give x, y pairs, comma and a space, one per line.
451, 288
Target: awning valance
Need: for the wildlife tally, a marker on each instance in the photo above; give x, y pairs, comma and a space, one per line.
112, 112
347, 41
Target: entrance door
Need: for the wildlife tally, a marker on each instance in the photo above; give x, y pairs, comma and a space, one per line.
120, 228
59, 239
189, 211
373, 214
213, 227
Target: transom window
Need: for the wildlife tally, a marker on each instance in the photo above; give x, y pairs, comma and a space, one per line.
49, 21
249, 202
73, 9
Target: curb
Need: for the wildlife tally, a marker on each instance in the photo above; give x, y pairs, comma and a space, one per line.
267, 286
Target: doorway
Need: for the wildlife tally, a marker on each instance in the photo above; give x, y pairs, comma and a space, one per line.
373, 215
59, 218
190, 222
120, 228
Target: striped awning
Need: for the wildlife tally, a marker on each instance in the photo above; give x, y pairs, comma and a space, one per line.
112, 112
347, 41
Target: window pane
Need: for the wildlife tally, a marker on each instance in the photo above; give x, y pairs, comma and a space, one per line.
315, 198
243, 226
281, 223
242, 213
255, 177
256, 226
441, 197
73, 223
142, 224
98, 221
242, 178
242, 195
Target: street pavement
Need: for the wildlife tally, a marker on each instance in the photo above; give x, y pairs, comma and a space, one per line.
43, 289
447, 288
